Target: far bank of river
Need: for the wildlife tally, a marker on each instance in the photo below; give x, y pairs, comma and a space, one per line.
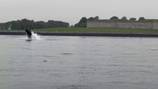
112, 34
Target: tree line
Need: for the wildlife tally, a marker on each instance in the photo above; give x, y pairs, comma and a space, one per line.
31, 24
83, 20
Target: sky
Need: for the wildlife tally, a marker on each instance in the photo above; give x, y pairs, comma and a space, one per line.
72, 10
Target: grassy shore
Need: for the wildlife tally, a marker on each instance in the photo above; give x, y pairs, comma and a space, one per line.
97, 30
88, 32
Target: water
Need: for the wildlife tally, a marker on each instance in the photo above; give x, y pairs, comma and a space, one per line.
35, 36
78, 63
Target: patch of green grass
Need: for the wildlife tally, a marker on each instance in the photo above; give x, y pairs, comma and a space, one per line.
107, 30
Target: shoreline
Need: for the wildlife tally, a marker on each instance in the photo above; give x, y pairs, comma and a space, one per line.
110, 34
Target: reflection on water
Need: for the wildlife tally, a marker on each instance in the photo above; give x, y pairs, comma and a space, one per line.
78, 63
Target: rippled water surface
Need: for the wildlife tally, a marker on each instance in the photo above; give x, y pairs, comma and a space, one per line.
78, 63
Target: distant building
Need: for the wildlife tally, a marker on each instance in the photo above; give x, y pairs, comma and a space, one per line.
97, 23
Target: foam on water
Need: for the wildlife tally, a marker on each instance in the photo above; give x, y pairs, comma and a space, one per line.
35, 36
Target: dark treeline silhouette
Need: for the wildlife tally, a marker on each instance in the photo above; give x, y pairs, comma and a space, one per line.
83, 20
31, 24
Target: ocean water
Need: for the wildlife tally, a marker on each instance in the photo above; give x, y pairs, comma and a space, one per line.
66, 62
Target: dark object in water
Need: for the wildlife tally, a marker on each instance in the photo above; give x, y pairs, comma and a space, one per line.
44, 60
28, 33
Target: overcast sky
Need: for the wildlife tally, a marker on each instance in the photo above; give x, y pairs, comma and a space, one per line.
72, 10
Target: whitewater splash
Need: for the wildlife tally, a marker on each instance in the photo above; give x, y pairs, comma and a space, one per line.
31, 35
35, 36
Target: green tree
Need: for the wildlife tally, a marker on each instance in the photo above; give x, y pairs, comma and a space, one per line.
114, 18
141, 19
82, 22
124, 19
93, 18
133, 19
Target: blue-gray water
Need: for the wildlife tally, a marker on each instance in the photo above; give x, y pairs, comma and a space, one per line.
78, 63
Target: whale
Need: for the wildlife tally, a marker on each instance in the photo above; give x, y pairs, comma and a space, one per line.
29, 34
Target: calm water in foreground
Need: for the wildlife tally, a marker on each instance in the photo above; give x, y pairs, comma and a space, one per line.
78, 63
